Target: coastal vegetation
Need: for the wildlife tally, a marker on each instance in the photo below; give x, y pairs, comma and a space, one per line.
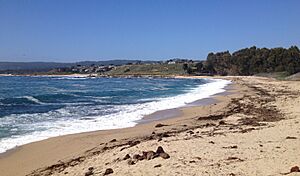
251, 61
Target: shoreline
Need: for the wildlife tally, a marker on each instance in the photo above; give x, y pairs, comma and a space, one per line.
199, 129
177, 112
155, 116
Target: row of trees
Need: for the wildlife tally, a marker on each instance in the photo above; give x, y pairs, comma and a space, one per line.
250, 61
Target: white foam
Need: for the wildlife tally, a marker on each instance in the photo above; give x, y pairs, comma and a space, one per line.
71, 78
126, 116
30, 98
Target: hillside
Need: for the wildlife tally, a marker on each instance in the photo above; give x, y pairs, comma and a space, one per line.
148, 69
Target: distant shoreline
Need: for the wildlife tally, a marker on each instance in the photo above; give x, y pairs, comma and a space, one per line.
49, 75
112, 76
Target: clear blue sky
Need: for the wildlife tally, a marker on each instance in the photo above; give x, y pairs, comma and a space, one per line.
70, 30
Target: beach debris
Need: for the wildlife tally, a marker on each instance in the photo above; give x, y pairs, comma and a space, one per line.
164, 135
192, 161
133, 143
160, 125
138, 157
127, 156
159, 165
295, 169
231, 147
231, 158
147, 155
211, 142
291, 137
197, 157
108, 171
209, 124
114, 140
164, 155
212, 117
247, 130
130, 162
222, 122
190, 132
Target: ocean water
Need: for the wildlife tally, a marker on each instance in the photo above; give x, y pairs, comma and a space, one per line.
36, 108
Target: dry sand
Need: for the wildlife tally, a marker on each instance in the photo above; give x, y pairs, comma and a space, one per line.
255, 130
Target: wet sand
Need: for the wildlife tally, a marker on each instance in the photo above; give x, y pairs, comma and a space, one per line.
253, 130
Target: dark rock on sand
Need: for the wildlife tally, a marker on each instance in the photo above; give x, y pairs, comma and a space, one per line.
108, 171
291, 137
165, 135
222, 122
130, 162
234, 158
190, 132
295, 169
147, 155
91, 168
160, 150
138, 157
127, 156
159, 165
160, 125
164, 155
231, 147
114, 140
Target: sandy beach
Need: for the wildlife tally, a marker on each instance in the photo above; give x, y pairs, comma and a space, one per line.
252, 129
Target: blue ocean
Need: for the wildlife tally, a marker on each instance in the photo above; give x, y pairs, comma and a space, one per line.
36, 108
